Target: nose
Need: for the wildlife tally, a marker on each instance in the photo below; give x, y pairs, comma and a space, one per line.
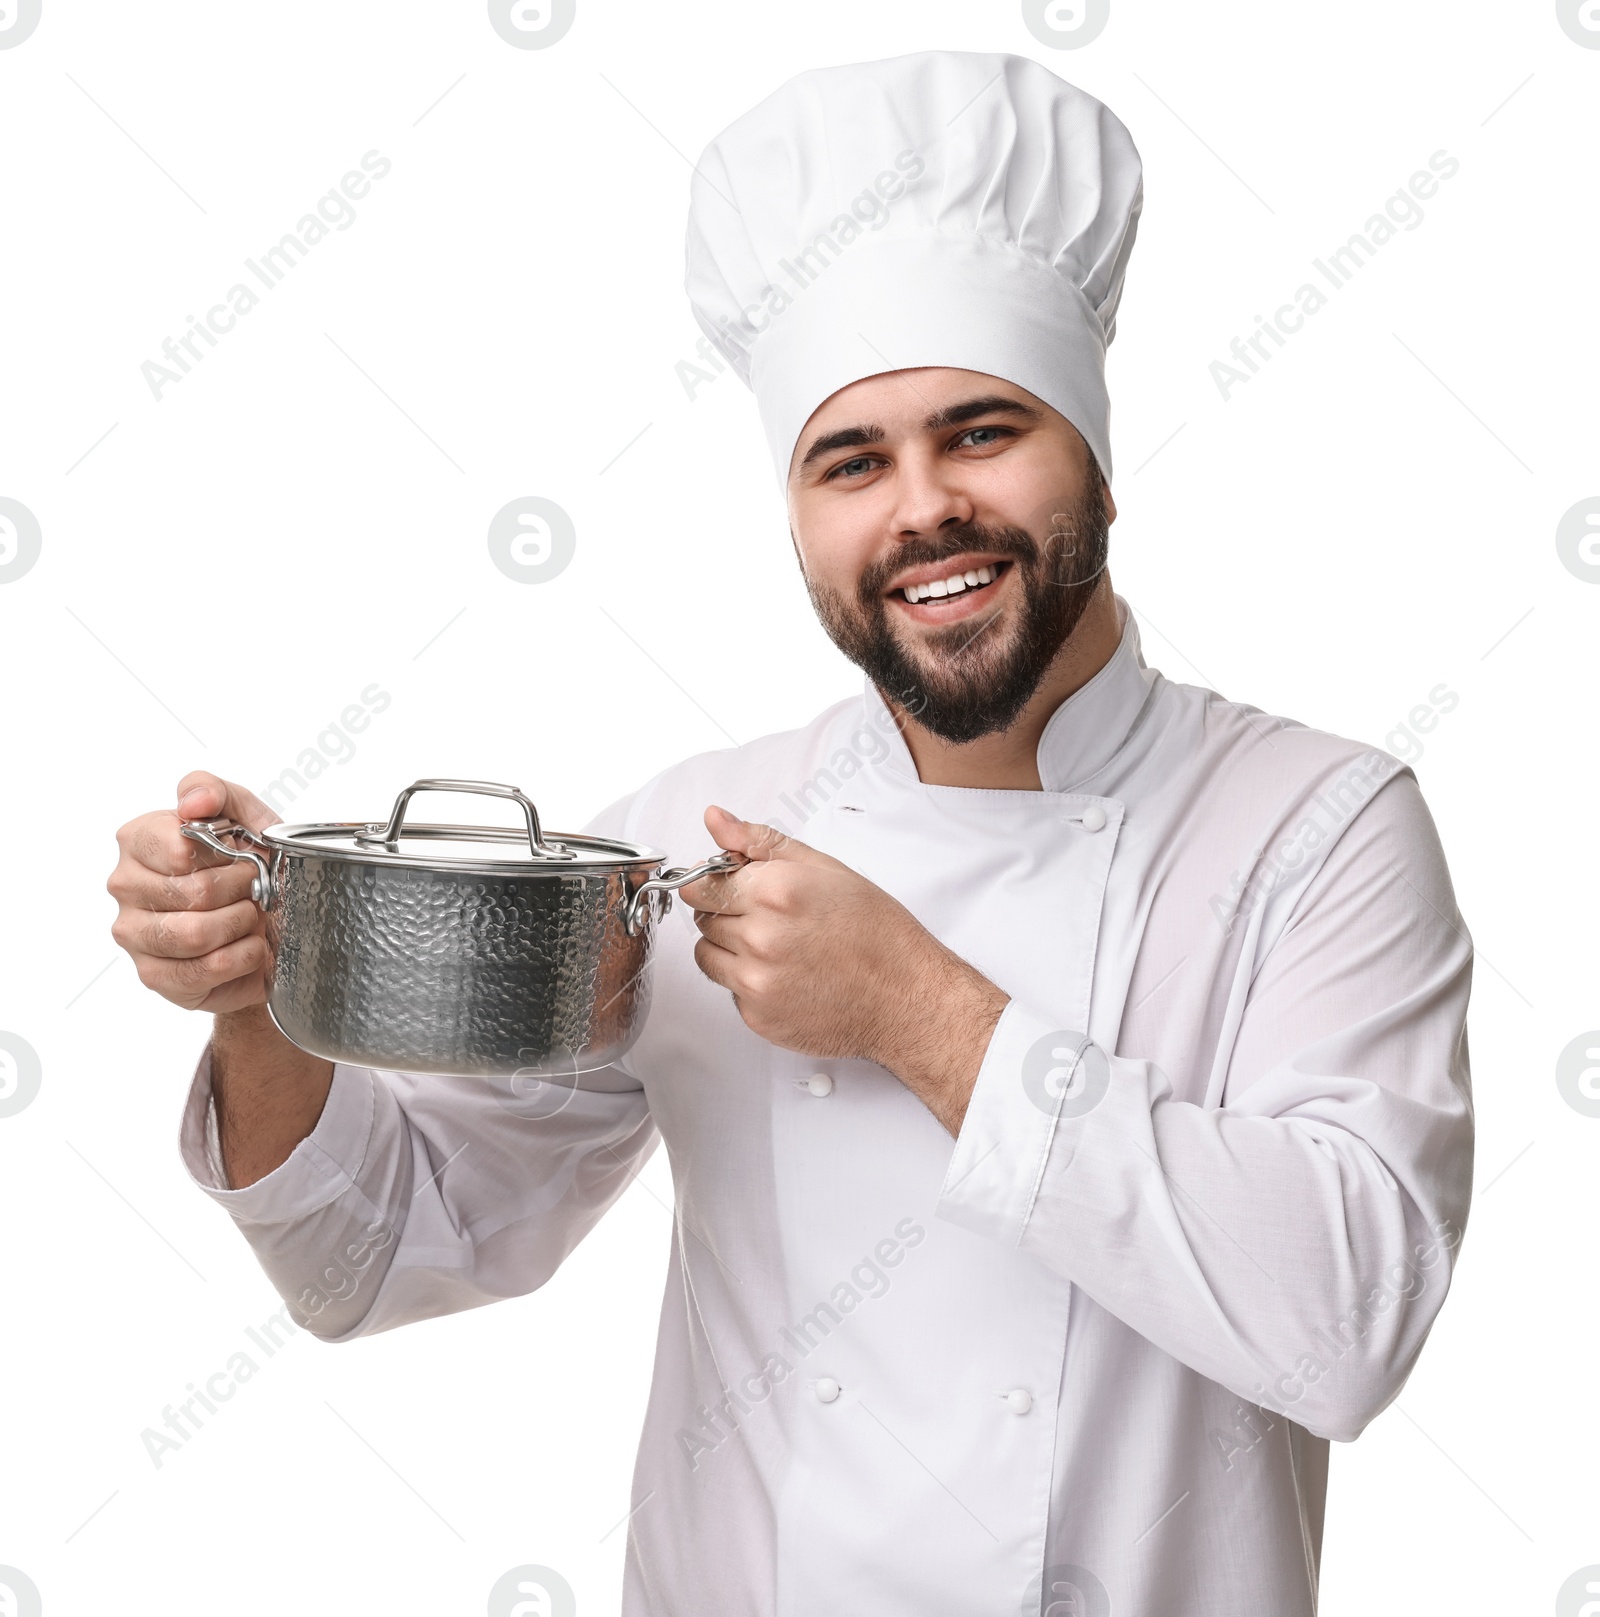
932, 496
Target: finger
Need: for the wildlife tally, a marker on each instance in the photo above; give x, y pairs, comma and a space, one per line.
727, 893
137, 887
716, 962
185, 935
722, 930
157, 842
759, 842
204, 796
741, 836
235, 996
190, 982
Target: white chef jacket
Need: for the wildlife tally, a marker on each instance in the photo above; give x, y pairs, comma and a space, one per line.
1199, 1217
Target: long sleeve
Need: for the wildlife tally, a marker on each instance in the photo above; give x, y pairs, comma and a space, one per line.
421, 1195
416, 1196
1292, 1239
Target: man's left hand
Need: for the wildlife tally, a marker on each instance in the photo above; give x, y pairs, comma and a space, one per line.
821, 961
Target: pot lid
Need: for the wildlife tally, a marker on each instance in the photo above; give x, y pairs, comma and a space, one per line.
518, 851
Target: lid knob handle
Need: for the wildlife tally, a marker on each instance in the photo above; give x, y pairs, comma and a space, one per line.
537, 846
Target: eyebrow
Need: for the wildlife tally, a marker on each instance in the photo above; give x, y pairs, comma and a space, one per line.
845, 438
989, 404
952, 416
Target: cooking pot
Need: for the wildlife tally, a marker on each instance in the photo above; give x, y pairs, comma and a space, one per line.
464, 949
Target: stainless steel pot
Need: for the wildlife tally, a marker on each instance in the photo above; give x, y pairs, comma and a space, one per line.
475, 950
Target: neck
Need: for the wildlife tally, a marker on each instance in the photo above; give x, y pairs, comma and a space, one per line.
1009, 759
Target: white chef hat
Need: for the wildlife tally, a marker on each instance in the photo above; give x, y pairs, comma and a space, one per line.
945, 208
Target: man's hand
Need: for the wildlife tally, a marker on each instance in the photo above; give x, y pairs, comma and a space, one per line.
821, 961
196, 936
184, 914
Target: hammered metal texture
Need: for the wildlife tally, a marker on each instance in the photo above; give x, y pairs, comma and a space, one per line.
442, 971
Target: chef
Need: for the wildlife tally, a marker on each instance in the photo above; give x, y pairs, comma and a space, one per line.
1067, 1103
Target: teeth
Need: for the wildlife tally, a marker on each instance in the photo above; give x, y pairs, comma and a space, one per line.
954, 585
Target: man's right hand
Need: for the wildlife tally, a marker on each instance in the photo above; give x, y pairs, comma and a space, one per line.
186, 916
184, 913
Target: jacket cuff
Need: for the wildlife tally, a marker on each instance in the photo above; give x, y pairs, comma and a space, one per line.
1024, 1086
319, 1169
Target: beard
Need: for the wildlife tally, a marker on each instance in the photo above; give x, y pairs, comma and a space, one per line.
974, 678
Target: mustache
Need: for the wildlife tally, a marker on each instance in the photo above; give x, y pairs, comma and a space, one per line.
1015, 543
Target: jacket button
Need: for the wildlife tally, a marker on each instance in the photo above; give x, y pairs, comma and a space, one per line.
827, 1389
1093, 818
1019, 1400
819, 1083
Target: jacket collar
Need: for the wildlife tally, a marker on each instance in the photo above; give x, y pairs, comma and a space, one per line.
1082, 735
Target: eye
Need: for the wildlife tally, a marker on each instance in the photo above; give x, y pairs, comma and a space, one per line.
984, 437
856, 466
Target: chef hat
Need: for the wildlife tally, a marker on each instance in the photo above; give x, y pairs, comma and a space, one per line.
944, 208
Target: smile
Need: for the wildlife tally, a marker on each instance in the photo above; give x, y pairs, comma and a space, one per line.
962, 583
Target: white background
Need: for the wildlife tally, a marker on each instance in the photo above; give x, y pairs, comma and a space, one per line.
225, 570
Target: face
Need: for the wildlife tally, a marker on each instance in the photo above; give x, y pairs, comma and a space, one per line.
952, 528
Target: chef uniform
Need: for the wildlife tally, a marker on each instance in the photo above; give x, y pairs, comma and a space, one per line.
1204, 1205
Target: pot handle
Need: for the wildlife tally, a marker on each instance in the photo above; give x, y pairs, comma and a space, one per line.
669, 881
537, 845
209, 833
